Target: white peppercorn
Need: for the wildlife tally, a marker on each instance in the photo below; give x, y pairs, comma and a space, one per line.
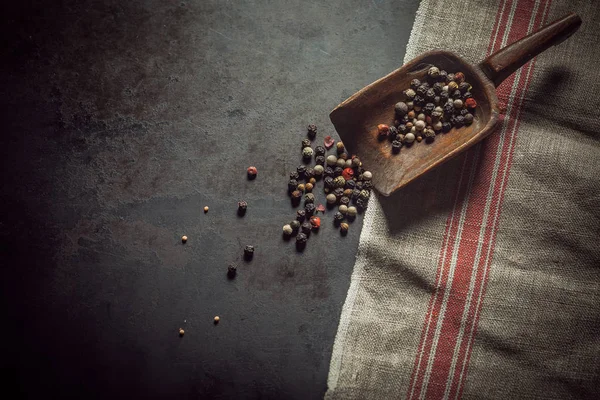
348, 164
458, 103
421, 117
420, 125
367, 175
343, 209
437, 126
340, 162
331, 160
409, 137
352, 211
331, 199
318, 170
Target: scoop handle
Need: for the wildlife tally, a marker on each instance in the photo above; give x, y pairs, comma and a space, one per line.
504, 62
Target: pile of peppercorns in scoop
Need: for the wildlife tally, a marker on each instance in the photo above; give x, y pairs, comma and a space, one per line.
441, 103
345, 183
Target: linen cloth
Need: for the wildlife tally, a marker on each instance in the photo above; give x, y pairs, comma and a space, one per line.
482, 279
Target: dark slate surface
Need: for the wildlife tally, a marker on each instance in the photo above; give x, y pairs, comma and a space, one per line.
121, 120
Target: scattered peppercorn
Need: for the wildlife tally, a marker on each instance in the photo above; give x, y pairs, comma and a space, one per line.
295, 224
184, 239
315, 222
311, 131
300, 187
318, 170
414, 84
401, 109
292, 185
468, 119
344, 200
248, 252
419, 138
305, 143
301, 215
181, 332
309, 208
216, 319
320, 151
309, 198
252, 172
307, 153
232, 269
382, 131
328, 142
340, 147
319, 161
306, 228
396, 145
294, 175
367, 175
338, 217
301, 240
344, 228
242, 207
205, 209
470, 103
344, 207
308, 187
331, 160
301, 170
340, 163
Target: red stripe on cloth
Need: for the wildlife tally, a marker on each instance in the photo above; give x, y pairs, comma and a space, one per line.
492, 176
498, 197
451, 231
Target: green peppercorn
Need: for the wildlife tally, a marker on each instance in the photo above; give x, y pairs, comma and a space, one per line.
410, 94
312, 131
364, 195
339, 182
352, 211
344, 228
309, 198
331, 199
295, 224
331, 160
307, 153
305, 143
414, 84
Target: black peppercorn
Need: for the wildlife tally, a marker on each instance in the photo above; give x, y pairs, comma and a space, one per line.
448, 109
401, 128
355, 193
231, 271
328, 182
437, 100
301, 215
338, 217
242, 207
428, 108
459, 121
344, 200
449, 78
301, 170
248, 252
305, 143
312, 131
463, 112
468, 119
338, 171
393, 131
419, 101
414, 84
328, 172
320, 151
446, 126
429, 135
306, 228
338, 193
294, 175
430, 95
360, 185
292, 185
350, 184
320, 160
422, 90
309, 198
296, 196
464, 87
301, 240
295, 224
309, 173
368, 186
467, 95
396, 146
444, 96
361, 204
438, 87
309, 209
456, 94
443, 75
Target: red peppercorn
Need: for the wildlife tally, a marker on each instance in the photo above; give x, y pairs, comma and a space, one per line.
459, 77
252, 171
329, 142
348, 173
315, 222
383, 129
470, 103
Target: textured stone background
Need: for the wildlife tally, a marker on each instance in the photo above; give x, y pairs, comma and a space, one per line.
121, 120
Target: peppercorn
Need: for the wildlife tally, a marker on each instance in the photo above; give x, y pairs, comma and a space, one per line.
300, 187
328, 182
340, 163
459, 121
463, 112
470, 103
292, 185
343, 156
368, 186
429, 135
396, 146
458, 103
307, 153
306, 228
232, 269
301, 240
419, 102
337, 171
443, 76
184, 239
428, 108
420, 125
305, 143
467, 95
409, 126
401, 130
340, 147
205, 209
344, 200
294, 175
338, 193
320, 151
344, 228
328, 142
329, 172
318, 170
181, 332
252, 172
309, 198
446, 126
367, 175
382, 131
433, 72
348, 164
422, 90
436, 115
437, 100
352, 212
430, 95
309, 187
401, 109
348, 192
295, 224
410, 105
301, 215
360, 184
355, 162
331, 160
409, 138
410, 94
444, 96
419, 138
343, 208
468, 118
456, 94
312, 131
400, 138
338, 217
315, 222
449, 108
242, 207
449, 78
301, 170
364, 195
437, 126
320, 160
331, 199
309, 173
464, 87
459, 77
296, 196
361, 204
309, 208
452, 86
437, 87
414, 84
248, 252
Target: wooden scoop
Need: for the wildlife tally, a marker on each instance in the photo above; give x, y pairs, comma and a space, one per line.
356, 119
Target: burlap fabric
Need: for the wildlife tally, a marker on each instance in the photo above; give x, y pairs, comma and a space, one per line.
482, 280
